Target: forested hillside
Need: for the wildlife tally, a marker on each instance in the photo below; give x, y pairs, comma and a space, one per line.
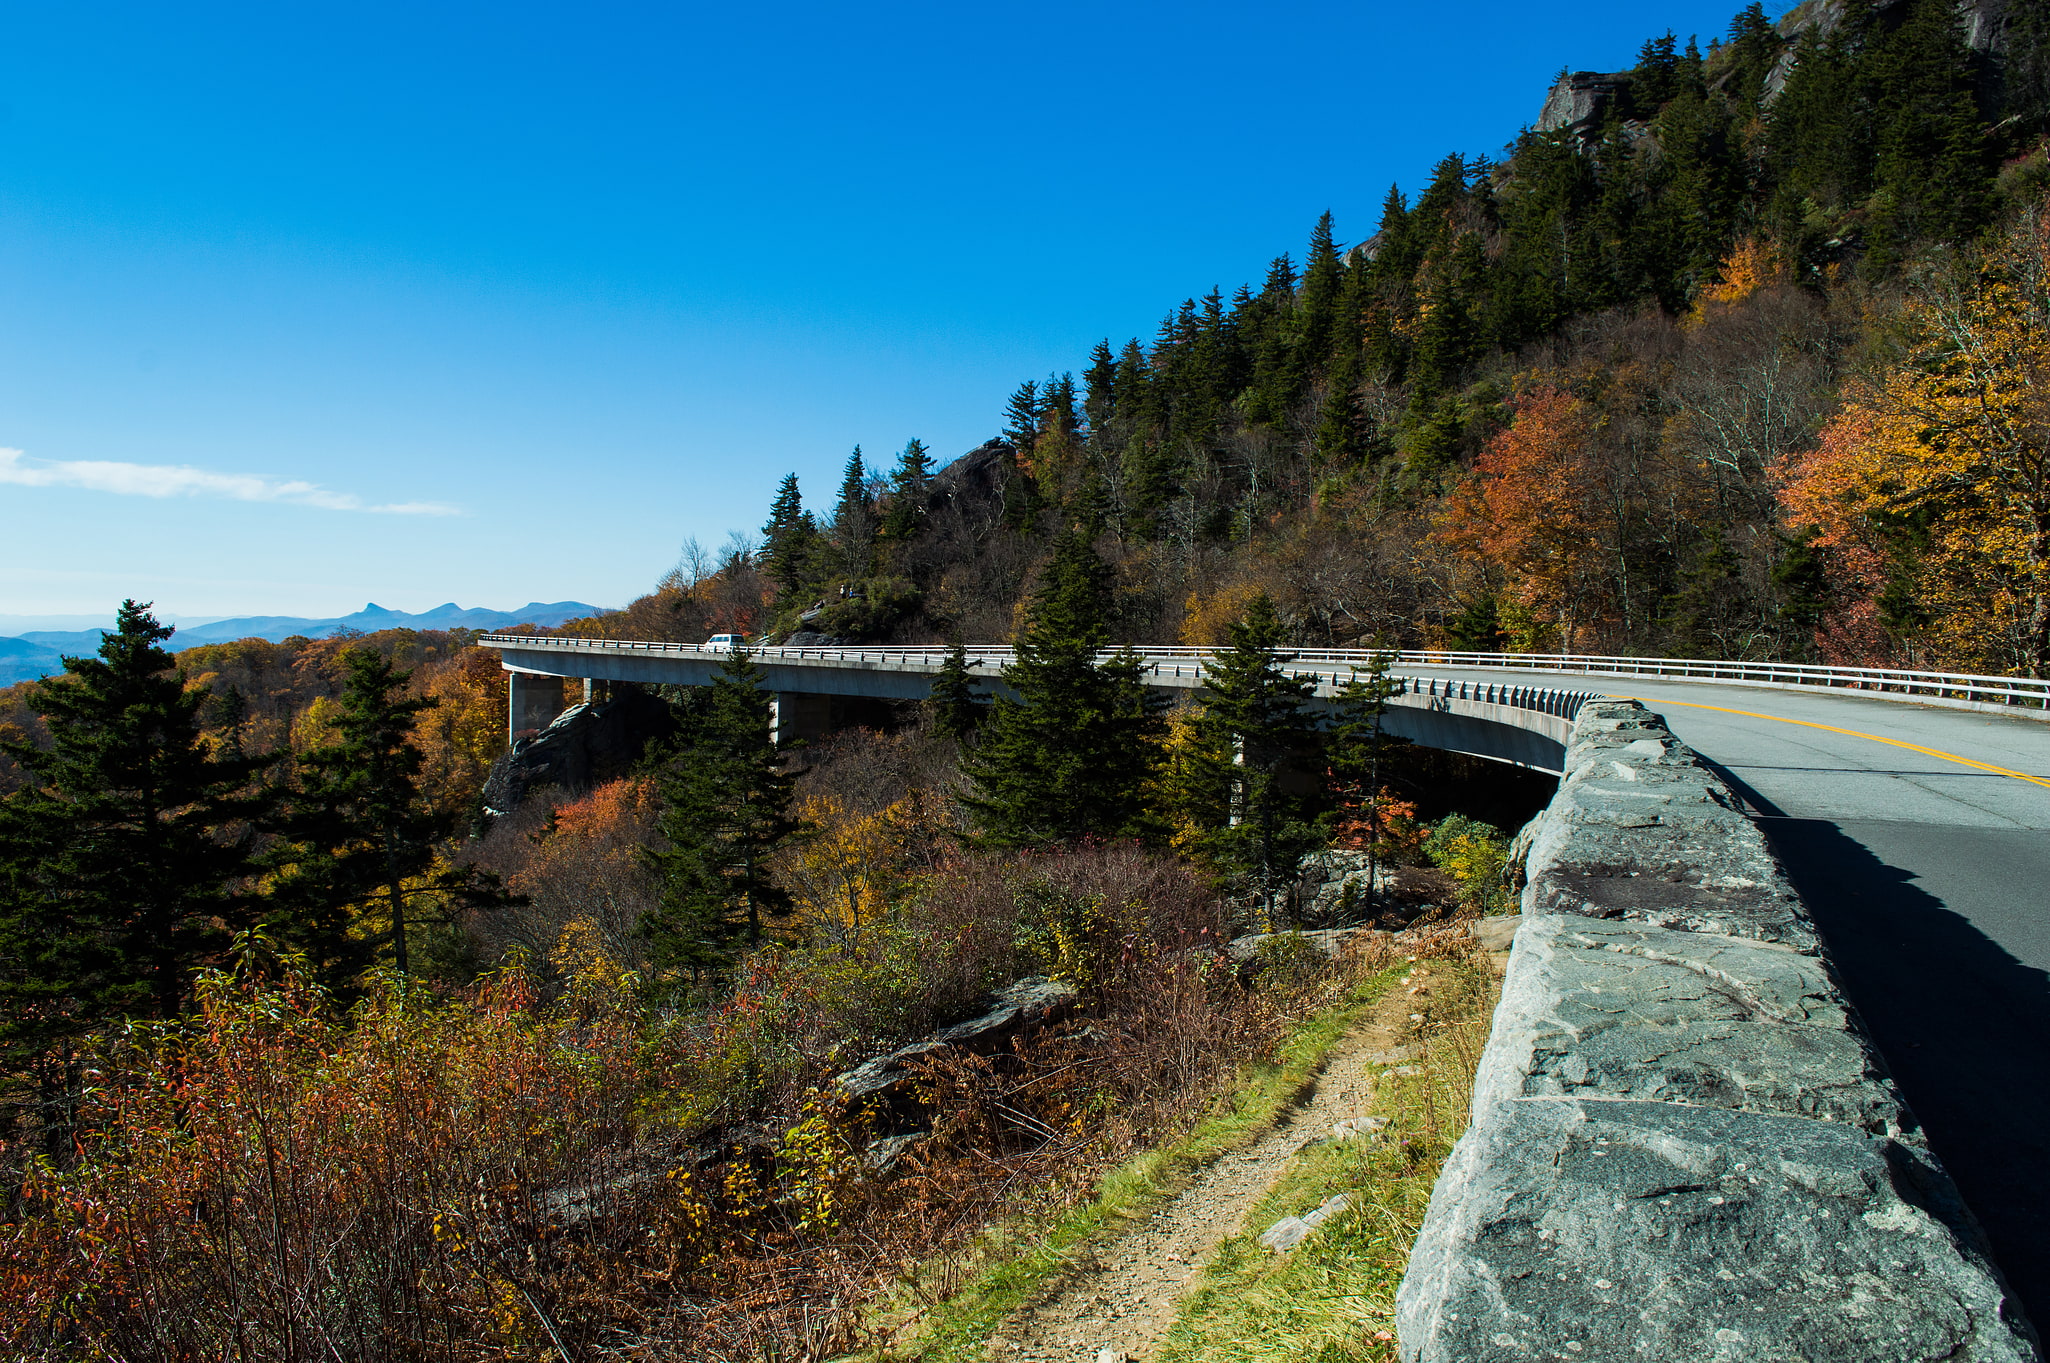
304, 1052
1740, 356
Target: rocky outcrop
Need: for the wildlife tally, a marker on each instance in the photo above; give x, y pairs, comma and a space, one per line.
586, 745
1011, 1011
1580, 100
1683, 1147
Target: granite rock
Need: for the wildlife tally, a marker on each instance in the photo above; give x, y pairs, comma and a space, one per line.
1623, 1230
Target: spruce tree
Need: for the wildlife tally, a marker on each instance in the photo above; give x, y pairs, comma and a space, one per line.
121, 859
789, 540
725, 814
910, 484
1100, 385
854, 521
954, 703
1021, 420
1069, 752
357, 868
1254, 732
1359, 751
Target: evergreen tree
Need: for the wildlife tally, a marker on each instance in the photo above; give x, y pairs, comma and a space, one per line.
789, 540
121, 857
1359, 749
910, 484
1021, 420
1100, 382
854, 521
1933, 164
357, 866
725, 814
1255, 731
1068, 754
1317, 306
954, 703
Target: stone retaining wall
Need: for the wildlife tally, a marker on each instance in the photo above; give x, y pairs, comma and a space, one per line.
1683, 1145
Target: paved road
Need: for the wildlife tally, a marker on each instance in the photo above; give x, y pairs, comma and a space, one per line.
1930, 877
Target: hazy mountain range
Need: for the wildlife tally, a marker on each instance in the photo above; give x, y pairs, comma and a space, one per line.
31, 653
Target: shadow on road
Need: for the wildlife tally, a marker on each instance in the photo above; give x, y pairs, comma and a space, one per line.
1963, 1024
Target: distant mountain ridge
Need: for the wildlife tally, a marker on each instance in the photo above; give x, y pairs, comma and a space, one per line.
36, 653
22, 660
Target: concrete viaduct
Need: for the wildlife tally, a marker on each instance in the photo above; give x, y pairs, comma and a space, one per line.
1910, 809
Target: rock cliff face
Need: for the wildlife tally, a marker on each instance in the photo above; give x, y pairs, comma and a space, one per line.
587, 745
1581, 100
1682, 1145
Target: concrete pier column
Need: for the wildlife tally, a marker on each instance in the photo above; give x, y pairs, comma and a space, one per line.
533, 702
795, 716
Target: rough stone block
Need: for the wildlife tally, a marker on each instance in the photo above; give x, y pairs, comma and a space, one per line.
1615, 1010
1641, 830
1567, 1229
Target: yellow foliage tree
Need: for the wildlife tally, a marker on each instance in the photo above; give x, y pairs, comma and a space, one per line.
1932, 486
842, 876
1207, 620
461, 737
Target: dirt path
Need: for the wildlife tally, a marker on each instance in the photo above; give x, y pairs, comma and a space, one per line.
1124, 1299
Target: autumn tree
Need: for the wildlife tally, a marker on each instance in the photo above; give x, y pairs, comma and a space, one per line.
1527, 513
1932, 487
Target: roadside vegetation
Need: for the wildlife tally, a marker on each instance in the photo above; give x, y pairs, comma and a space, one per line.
1332, 1297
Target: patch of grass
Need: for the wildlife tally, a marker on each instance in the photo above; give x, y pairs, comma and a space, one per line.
1016, 1266
1332, 1299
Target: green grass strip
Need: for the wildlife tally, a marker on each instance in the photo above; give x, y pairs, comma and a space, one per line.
1016, 1269
1332, 1298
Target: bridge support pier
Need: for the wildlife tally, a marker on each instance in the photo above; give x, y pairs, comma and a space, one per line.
532, 702
797, 716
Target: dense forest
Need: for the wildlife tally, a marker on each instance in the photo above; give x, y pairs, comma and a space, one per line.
305, 1052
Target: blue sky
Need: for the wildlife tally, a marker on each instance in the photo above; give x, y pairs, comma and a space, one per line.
309, 305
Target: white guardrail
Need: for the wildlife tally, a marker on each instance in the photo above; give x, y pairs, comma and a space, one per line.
2021, 693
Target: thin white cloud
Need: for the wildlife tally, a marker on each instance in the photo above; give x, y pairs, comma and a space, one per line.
182, 480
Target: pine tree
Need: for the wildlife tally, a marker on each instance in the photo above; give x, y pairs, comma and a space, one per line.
910, 484
954, 702
789, 540
120, 859
725, 814
1068, 754
1255, 730
357, 866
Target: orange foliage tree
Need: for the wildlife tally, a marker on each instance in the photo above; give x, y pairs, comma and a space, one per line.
1528, 514
1932, 486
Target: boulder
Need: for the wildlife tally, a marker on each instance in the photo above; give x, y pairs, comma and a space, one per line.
1028, 1003
586, 745
1015, 1009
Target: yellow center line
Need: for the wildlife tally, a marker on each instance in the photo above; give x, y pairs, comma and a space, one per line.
1855, 733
